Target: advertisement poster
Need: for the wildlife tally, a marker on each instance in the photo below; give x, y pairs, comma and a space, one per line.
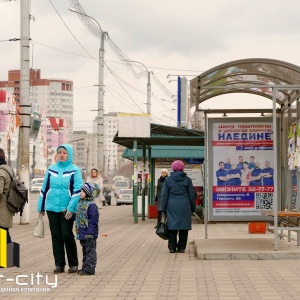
243, 183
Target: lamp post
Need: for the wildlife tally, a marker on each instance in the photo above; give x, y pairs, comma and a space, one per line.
100, 118
148, 87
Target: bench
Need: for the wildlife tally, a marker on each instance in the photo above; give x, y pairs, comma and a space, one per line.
287, 220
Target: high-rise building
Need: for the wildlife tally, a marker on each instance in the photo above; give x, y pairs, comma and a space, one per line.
85, 150
51, 102
111, 152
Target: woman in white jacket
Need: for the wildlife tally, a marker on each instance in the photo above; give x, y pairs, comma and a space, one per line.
96, 178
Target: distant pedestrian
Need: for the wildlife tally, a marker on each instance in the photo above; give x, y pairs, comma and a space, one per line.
87, 219
160, 184
178, 202
59, 197
97, 178
6, 216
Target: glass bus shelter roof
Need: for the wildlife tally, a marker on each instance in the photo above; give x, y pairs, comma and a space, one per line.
247, 72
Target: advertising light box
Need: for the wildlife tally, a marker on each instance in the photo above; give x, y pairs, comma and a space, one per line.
241, 173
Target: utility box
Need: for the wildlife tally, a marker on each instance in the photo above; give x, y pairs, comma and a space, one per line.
153, 213
257, 227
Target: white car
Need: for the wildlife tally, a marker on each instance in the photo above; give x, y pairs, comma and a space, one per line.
36, 187
125, 196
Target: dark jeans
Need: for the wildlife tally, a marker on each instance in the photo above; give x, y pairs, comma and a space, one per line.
181, 244
62, 237
89, 259
8, 237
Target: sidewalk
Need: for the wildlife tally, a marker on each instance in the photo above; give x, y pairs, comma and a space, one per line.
133, 263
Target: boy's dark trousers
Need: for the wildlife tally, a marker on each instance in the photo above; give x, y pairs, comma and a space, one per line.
181, 244
62, 236
89, 259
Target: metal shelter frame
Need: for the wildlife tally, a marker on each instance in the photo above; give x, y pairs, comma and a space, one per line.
273, 79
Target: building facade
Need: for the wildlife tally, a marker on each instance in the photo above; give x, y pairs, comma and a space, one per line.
51, 103
85, 151
112, 152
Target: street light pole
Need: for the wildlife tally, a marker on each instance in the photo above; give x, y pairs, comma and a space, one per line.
24, 100
148, 87
100, 117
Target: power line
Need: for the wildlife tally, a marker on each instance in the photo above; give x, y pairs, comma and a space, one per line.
108, 90
124, 88
108, 61
70, 30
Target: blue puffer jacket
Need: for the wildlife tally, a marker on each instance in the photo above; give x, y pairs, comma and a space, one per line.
62, 184
87, 219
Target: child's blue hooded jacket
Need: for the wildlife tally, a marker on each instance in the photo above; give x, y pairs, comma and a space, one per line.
62, 184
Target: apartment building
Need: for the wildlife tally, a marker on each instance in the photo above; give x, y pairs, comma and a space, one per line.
51, 102
111, 152
85, 150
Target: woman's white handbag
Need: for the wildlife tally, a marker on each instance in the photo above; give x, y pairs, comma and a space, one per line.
39, 228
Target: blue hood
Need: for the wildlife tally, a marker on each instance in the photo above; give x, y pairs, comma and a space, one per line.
70, 151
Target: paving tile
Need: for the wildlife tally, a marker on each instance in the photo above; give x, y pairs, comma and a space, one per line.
128, 270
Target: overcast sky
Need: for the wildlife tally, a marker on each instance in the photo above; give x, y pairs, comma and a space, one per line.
167, 36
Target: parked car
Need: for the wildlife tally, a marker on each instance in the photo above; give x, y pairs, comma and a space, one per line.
36, 180
120, 185
36, 187
125, 196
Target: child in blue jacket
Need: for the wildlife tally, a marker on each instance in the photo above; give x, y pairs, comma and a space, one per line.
87, 219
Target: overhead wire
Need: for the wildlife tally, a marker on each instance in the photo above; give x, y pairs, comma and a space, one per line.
88, 52
109, 61
123, 57
110, 90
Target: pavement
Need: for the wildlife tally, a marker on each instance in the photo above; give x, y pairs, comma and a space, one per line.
134, 263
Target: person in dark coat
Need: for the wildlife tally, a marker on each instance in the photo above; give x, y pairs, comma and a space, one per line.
160, 184
178, 201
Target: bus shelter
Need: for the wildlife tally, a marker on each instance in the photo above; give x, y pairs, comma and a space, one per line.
274, 137
160, 135
162, 157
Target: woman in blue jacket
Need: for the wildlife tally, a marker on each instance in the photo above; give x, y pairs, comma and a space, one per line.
59, 197
178, 202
